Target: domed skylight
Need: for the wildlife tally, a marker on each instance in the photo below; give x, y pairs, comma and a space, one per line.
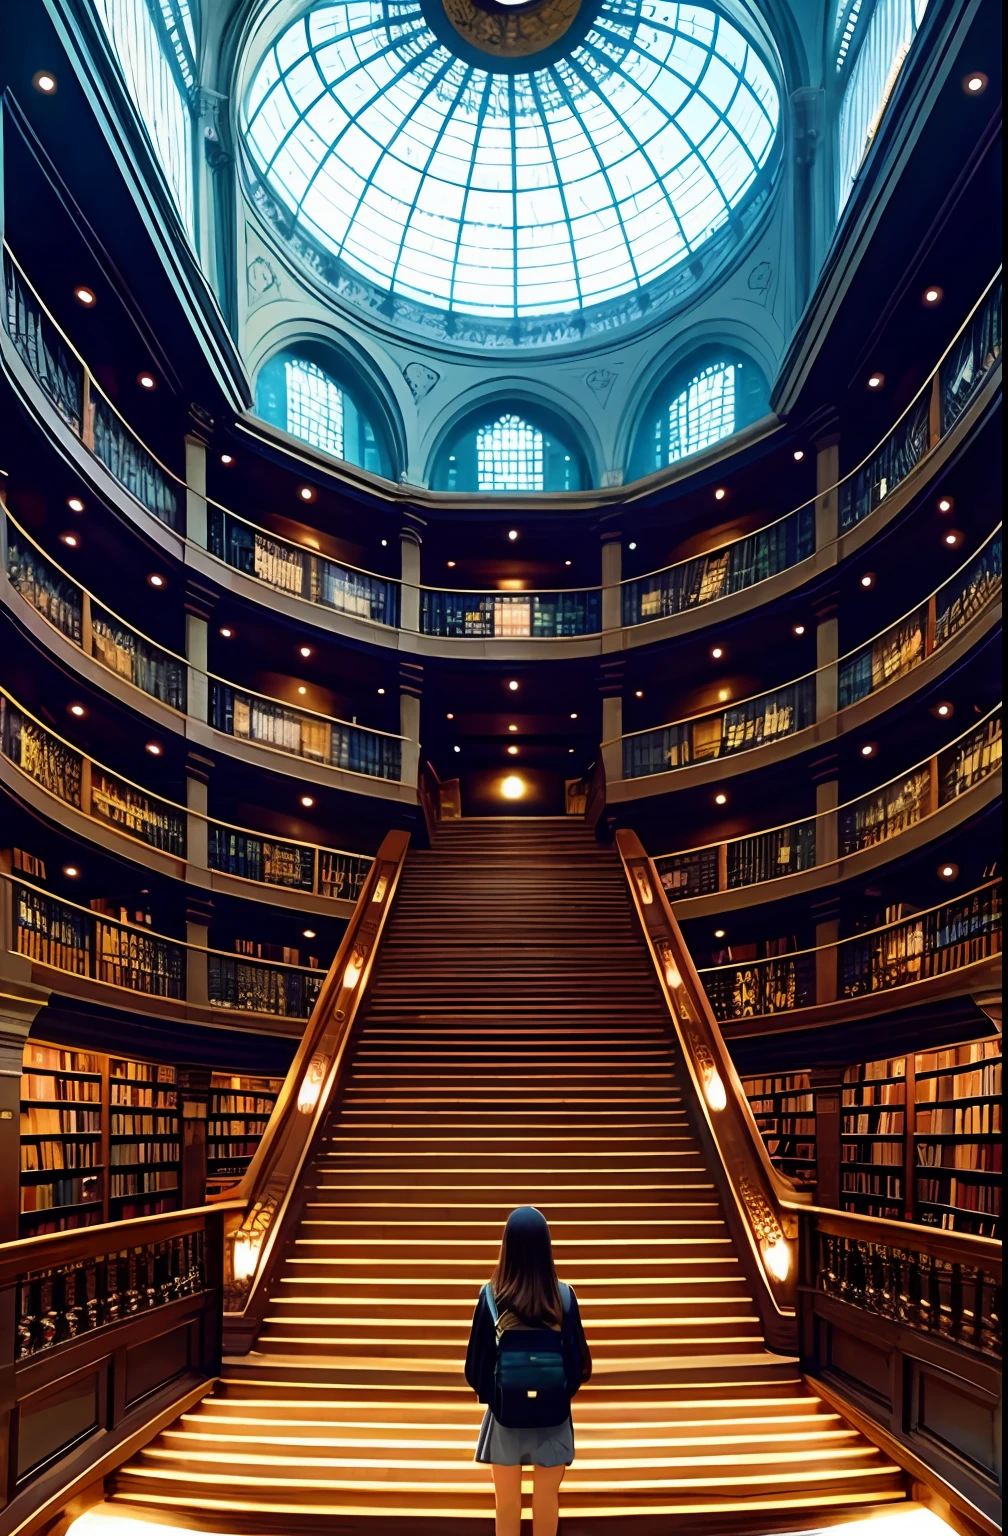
510, 188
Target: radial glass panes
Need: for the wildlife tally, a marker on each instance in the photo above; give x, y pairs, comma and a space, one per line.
509, 456
510, 194
703, 413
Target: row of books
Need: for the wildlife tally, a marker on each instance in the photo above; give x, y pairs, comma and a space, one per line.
261, 859
960, 1120
978, 1156
49, 1085
48, 1153
888, 1186
881, 1153
888, 657
689, 874
36, 1121
944, 1086
138, 961
129, 656
134, 1153
289, 568
41, 585
244, 1104
39, 755
140, 1071
965, 1196
342, 746
971, 761
261, 989
142, 1125
132, 812
121, 1184
55, 1059
743, 564
786, 851
139, 1097
232, 1152
77, 1190
788, 1082
514, 614
125, 457
969, 593
885, 1122
875, 818
247, 1125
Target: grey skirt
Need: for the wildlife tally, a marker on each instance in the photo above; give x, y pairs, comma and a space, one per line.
551, 1446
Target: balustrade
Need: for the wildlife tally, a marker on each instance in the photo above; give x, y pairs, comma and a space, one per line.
511, 615
260, 986
755, 722
318, 738
83, 942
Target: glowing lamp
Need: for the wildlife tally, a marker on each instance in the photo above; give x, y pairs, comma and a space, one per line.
354, 966
381, 886
513, 787
714, 1090
643, 885
246, 1255
311, 1084
776, 1257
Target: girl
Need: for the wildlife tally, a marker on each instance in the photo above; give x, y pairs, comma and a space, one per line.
525, 1294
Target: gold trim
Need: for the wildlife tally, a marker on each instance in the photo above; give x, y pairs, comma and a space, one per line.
512, 33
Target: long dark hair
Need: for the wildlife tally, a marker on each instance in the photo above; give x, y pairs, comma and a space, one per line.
525, 1280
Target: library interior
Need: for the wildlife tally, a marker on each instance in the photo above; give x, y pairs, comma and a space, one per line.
500, 617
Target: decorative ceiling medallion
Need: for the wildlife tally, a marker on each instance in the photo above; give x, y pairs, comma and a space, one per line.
511, 32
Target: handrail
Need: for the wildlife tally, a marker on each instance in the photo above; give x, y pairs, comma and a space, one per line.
844, 805
23, 1255
938, 1242
752, 1189
215, 677
183, 484
815, 671
270, 1187
155, 795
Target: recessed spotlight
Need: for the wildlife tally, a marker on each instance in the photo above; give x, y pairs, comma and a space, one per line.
868, 750
302, 690
512, 534
308, 933
384, 543
84, 296
632, 544
305, 651
154, 748
513, 787
512, 727
867, 580
512, 751
570, 749
227, 458
876, 380
70, 540
720, 493
948, 871
44, 81
799, 454
449, 716
456, 749
568, 562
227, 632
973, 83
513, 685
721, 799
945, 504
154, 580
719, 933
573, 714
146, 381
952, 538
306, 493
932, 296
450, 564
944, 710
717, 652
638, 693
381, 690
78, 710
71, 871
799, 629
75, 504
724, 694
307, 801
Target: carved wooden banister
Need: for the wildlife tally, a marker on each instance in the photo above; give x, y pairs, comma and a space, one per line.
761, 1205
270, 1191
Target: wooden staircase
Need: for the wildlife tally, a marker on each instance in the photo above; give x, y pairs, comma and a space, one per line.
514, 1050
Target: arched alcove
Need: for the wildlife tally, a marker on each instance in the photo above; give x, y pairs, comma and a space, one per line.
708, 396
510, 446
315, 393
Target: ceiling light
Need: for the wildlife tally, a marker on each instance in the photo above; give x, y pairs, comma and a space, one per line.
146, 381
305, 651
952, 539
44, 82
513, 787
512, 751
568, 562
154, 748
308, 933
226, 632
513, 685
638, 693
227, 458
84, 296
948, 871
512, 534
450, 564
721, 799
632, 544
70, 540
876, 380
512, 727
75, 504
932, 295
973, 83
306, 493
724, 694
720, 493
78, 710
307, 801
381, 690
449, 716
384, 543
456, 749
717, 653
867, 580
868, 750
945, 504
71, 871
573, 714
570, 749
154, 580
302, 690
719, 933
799, 629
944, 710
799, 454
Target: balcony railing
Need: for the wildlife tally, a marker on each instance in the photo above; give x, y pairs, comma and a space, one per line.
300, 572
900, 953
43, 347
41, 584
129, 654
262, 986
752, 723
110, 799
318, 738
970, 358
511, 615
72, 938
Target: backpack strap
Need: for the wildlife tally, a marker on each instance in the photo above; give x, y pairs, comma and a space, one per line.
488, 1296
565, 1297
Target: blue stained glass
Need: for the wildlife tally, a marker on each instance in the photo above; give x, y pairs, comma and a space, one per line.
510, 194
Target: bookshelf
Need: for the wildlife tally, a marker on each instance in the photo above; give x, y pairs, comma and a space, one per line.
240, 1108
873, 1173
145, 1138
957, 1137
784, 1110
63, 1096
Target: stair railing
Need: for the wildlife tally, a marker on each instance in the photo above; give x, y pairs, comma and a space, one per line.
271, 1191
761, 1205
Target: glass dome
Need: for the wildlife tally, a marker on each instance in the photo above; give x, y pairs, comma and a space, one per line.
482, 183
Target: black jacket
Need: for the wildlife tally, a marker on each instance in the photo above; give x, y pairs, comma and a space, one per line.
481, 1356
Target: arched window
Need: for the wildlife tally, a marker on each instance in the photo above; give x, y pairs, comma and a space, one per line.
317, 399
155, 48
870, 43
697, 405
510, 450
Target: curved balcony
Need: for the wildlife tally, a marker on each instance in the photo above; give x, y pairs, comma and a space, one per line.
91, 801
912, 808
910, 958
315, 587
823, 704
163, 685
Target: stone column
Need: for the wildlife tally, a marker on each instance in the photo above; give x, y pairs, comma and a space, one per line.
611, 689
410, 690
198, 911
612, 573
409, 592
194, 1101
199, 606
827, 526
827, 930
827, 1086
824, 776
197, 833
827, 653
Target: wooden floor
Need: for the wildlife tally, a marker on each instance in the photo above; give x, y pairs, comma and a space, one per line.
515, 1050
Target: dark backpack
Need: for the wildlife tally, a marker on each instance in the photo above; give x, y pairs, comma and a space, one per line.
531, 1388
